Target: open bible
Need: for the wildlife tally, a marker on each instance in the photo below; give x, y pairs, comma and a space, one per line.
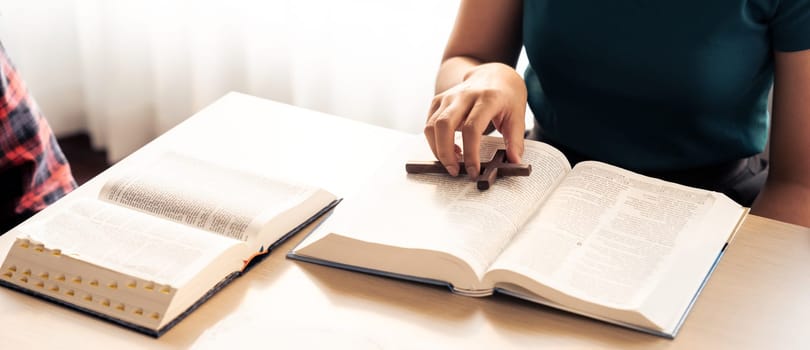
595, 240
158, 241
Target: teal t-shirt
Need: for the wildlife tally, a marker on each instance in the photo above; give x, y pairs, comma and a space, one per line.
658, 85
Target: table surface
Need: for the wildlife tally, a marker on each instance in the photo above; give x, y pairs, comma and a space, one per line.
758, 297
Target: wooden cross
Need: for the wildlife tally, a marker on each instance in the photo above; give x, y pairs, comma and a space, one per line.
498, 166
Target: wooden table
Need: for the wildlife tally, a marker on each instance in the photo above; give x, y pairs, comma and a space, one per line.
759, 296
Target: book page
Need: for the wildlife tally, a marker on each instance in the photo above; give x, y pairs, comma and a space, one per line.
129, 242
608, 236
438, 212
231, 203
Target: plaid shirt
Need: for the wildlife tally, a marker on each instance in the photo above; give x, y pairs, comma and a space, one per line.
33, 171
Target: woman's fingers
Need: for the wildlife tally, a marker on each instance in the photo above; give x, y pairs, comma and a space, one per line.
490, 93
474, 126
441, 126
513, 129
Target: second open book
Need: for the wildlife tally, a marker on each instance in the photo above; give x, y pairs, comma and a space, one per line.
157, 240
596, 240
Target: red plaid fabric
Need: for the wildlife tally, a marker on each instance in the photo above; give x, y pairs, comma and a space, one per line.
33, 171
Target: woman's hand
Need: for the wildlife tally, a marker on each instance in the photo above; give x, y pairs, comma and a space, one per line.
489, 93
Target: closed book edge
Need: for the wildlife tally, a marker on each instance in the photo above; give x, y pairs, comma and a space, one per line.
308, 259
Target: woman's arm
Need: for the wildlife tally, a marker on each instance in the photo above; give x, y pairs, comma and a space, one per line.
478, 85
786, 195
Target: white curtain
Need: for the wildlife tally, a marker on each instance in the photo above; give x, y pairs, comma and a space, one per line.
134, 69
